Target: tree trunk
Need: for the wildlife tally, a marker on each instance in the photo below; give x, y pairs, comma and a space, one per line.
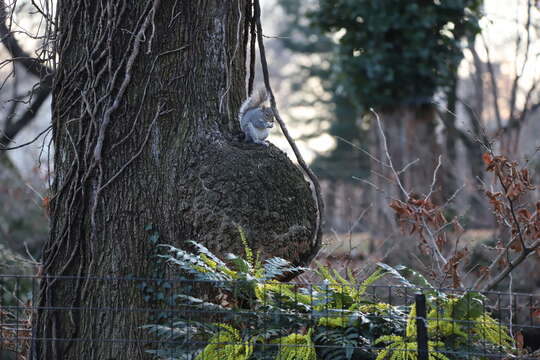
145, 105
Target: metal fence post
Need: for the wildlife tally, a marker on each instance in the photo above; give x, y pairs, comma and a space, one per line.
421, 329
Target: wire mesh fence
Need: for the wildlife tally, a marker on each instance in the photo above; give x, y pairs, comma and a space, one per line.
188, 319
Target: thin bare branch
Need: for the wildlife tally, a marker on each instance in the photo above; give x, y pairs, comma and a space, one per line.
364, 151
432, 187
29, 142
510, 267
387, 152
13, 128
32, 65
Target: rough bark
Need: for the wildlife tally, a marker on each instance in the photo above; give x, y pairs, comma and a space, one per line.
144, 118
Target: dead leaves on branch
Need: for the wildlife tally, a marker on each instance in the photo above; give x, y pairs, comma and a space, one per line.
419, 216
523, 220
16, 332
424, 219
515, 181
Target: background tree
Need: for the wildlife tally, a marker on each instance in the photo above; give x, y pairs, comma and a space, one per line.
24, 89
313, 79
35, 98
145, 103
394, 56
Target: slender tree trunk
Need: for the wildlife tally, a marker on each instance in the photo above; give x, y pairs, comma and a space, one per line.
146, 136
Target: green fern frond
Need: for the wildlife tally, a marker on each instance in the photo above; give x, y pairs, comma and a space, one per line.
211, 263
401, 349
377, 274
324, 272
410, 330
272, 291
203, 250
277, 267
227, 344
345, 290
196, 265
240, 265
199, 303
340, 321
341, 280
247, 250
388, 338
337, 291
441, 325
411, 278
296, 347
376, 308
491, 330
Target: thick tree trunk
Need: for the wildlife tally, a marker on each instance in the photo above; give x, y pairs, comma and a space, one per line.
144, 112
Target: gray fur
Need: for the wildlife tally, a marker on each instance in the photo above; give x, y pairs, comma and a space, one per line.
255, 118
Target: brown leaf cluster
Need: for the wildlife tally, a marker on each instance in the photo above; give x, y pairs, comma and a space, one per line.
516, 183
417, 214
451, 266
514, 180
15, 334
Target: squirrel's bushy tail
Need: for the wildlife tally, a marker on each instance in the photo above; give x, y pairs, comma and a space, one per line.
257, 98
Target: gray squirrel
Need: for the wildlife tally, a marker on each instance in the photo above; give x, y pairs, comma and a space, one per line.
256, 118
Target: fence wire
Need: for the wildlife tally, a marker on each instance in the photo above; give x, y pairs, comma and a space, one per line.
206, 320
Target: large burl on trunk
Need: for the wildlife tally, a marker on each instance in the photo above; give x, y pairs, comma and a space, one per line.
146, 96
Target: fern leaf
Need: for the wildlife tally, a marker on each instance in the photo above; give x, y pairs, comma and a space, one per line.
412, 279
276, 267
204, 250
296, 347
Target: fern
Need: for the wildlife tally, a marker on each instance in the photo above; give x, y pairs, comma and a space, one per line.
263, 318
227, 345
339, 343
490, 330
412, 279
296, 347
247, 250
399, 348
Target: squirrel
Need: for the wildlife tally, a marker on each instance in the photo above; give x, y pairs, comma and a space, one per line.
256, 118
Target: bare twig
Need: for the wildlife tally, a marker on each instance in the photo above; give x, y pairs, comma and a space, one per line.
29, 142
29, 115
407, 166
32, 65
387, 153
364, 151
432, 187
